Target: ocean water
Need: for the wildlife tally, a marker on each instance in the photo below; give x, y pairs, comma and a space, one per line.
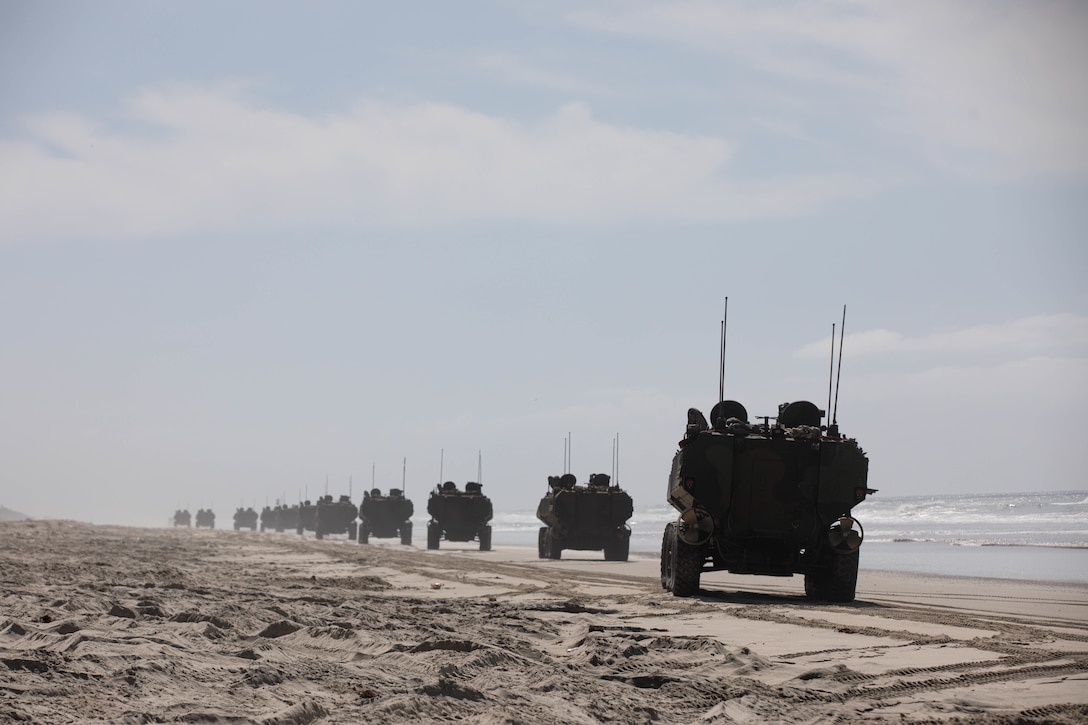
1033, 536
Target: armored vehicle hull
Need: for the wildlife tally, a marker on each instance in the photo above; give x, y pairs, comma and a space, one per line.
182, 518
386, 517
205, 518
585, 518
268, 517
459, 516
287, 518
245, 518
765, 499
307, 518
335, 517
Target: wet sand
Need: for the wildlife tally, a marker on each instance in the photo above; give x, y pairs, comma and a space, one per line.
111, 624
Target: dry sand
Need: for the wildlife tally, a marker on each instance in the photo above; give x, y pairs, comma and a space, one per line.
110, 624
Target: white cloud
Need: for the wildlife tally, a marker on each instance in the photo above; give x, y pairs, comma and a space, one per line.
987, 87
1038, 335
207, 159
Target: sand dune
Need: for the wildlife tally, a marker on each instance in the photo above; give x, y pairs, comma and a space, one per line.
110, 624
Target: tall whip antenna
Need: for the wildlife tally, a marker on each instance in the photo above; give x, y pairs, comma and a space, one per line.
404, 475
480, 467
569, 453
838, 375
831, 372
617, 460
721, 364
441, 463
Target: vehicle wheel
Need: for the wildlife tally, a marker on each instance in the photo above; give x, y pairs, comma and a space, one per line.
434, 535
353, 530
837, 579
686, 566
237, 527
319, 534
262, 528
299, 531
542, 543
619, 547
485, 538
666, 556
364, 532
554, 546
406, 533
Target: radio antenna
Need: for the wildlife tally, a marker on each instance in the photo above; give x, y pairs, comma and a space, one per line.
404, 475
441, 462
838, 374
480, 467
831, 372
617, 460
350, 491
721, 361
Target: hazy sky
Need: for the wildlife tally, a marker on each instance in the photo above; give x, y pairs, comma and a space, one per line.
248, 246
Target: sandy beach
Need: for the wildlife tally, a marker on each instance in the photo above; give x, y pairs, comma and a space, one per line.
111, 624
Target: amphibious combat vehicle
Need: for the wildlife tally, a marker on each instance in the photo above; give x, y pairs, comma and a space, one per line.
772, 497
268, 517
307, 517
287, 517
386, 517
587, 518
335, 517
245, 518
182, 518
205, 518
459, 515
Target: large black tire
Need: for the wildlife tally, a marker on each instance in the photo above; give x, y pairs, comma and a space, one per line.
353, 530
485, 538
836, 580
237, 527
406, 534
553, 546
364, 532
666, 556
685, 566
434, 535
299, 531
319, 533
619, 547
542, 543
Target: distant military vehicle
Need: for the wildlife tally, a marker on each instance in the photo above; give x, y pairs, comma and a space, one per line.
205, 518
268, 517
335, 517
245, 518
288, 518
459, 515
385, 517
182, 518
588, 518
770, 498
307, 517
